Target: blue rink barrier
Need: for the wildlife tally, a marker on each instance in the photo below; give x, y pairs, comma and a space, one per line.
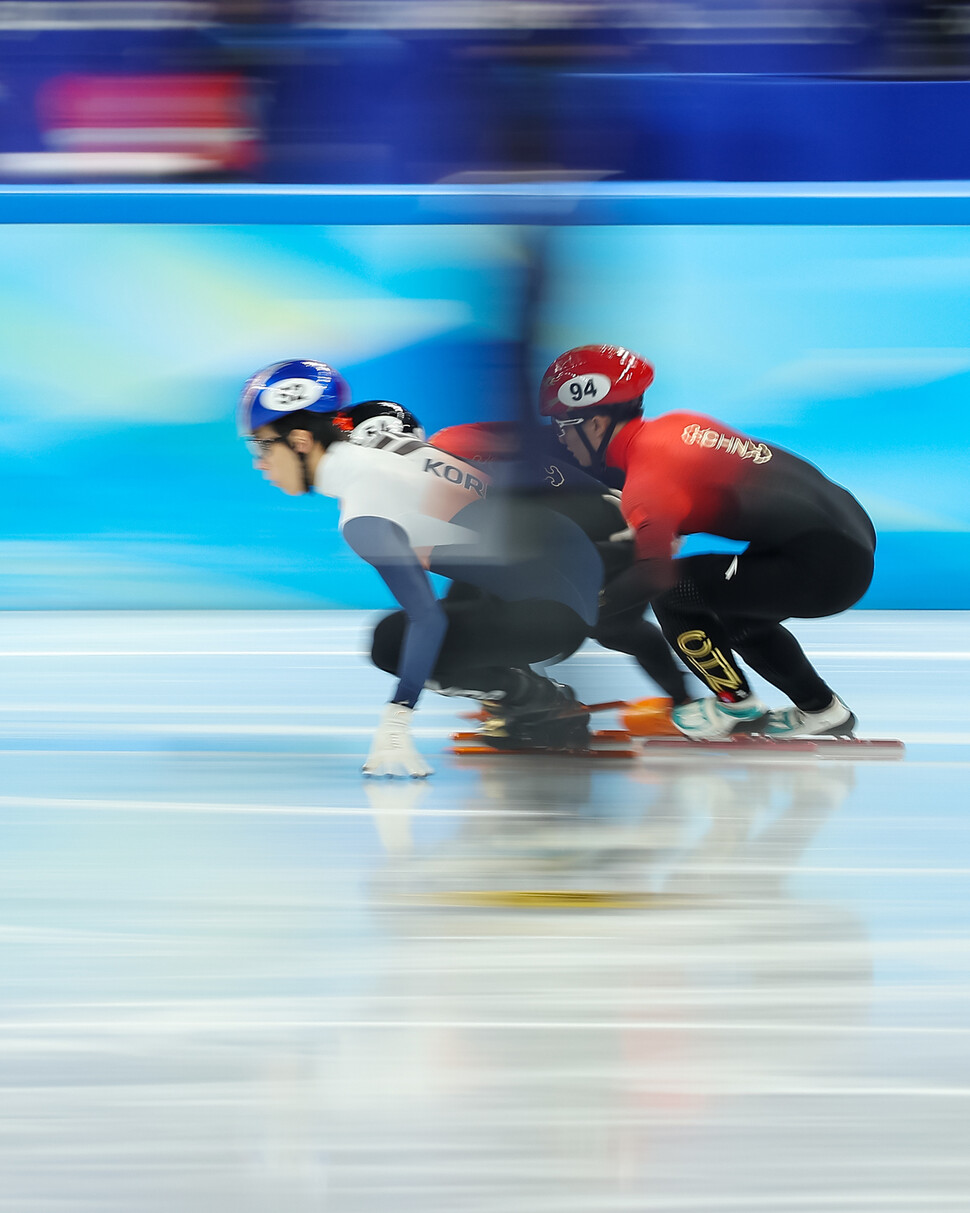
609, 204
827, 319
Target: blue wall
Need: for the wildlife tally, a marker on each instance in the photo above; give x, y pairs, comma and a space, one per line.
124, 345
682, 97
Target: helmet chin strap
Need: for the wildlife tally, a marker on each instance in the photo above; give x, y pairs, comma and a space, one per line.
597, 454
307, 478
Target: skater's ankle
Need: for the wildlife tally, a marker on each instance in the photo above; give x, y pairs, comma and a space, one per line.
735, 699
740, 705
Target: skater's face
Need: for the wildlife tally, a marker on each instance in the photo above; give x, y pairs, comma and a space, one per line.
569, 436
279, 462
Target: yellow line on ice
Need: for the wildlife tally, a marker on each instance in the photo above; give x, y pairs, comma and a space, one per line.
550, 899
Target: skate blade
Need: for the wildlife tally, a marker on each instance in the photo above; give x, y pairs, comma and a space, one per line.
737, 741
465, 751
643, 718
599, 735
744, 743
859, 747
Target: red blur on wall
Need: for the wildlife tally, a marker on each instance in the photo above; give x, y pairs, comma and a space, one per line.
202, 122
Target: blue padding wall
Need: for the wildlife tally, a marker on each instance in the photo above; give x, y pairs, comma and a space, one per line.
763, 128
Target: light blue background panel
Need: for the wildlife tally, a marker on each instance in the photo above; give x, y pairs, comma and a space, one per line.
124, 346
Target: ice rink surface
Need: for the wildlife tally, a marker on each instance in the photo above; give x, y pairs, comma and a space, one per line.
238, 978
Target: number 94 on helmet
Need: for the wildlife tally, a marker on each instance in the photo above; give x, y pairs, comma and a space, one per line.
591, 378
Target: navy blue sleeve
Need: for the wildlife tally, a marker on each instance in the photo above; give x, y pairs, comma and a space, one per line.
385, 545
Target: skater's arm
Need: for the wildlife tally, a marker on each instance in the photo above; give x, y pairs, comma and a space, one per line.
385, 545
651, 570
654, 508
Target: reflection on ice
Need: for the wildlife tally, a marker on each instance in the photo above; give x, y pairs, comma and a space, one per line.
236, 977
712, 828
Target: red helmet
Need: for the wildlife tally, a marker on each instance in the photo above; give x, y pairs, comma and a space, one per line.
592, 377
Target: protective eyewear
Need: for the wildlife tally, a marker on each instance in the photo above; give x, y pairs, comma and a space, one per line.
259, 448
563, 425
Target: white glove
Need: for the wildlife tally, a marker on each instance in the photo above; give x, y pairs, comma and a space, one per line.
392, 751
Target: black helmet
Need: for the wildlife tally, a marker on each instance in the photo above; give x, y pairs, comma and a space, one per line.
371, 419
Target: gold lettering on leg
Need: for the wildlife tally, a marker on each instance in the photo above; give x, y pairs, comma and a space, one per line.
712, 666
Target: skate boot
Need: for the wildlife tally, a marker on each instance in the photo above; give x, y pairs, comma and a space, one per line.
834, 721
539, 715
711, 720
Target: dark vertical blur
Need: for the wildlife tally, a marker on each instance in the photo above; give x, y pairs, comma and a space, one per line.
399, 91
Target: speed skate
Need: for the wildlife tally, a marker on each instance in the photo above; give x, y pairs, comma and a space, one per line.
604, 743
647, 730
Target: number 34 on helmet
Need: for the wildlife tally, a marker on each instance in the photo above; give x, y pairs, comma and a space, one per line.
593, 377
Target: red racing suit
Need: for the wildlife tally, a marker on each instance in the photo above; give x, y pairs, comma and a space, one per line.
687, 473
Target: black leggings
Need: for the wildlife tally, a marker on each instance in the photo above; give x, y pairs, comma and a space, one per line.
628, 632
724, 603
487, 638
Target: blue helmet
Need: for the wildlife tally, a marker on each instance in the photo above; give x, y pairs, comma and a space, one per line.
287, 387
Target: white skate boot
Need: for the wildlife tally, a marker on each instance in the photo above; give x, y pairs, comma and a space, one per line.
834, 721
711, 720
